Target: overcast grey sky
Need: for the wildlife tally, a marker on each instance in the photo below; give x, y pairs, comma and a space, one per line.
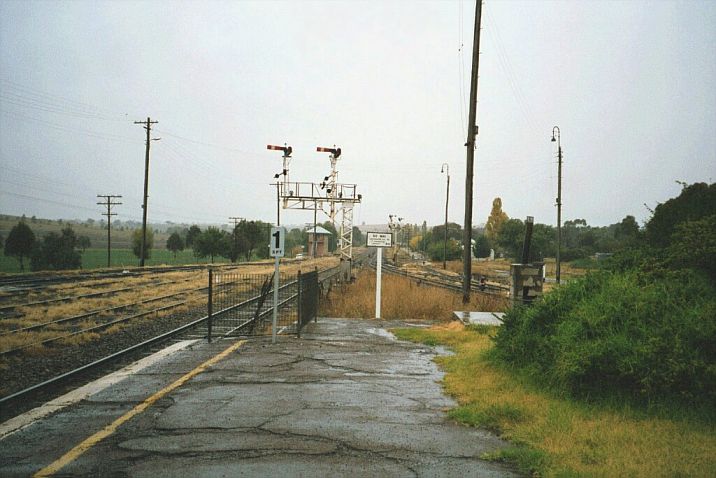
631, 85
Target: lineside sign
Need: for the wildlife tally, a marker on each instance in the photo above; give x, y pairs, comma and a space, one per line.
380, 239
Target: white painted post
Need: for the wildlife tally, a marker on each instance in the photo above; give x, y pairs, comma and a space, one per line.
378, 272
276, 249
275, 302
379, 240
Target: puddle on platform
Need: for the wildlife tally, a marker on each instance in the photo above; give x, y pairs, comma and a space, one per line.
442, 350
381, 333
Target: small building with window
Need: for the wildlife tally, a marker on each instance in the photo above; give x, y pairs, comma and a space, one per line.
321, 241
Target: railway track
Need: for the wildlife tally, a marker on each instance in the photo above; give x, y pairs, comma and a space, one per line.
437, 278
22, 283
9, 307
109, 356
91, 314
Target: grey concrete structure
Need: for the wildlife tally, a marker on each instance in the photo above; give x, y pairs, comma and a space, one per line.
479, 318
347, 399
527, 280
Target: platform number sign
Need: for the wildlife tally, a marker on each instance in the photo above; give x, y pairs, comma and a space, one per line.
278, 237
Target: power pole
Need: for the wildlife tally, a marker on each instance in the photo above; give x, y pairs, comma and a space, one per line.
470, 144
556, 136
236, 221
446, 168
109, 202
148, 126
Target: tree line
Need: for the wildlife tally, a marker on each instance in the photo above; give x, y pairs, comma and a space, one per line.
505, 236
248, 240
53, 252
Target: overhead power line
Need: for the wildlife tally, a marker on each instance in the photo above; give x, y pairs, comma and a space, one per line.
67, 129
211, 145
57, 101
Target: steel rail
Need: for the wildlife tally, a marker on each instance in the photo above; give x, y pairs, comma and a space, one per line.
91, 329
456, 287
474, 282
70, 298
97, 311
117, 355
14, 279
103, 360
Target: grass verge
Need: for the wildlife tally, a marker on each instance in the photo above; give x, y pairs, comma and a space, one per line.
553, 435
403, 299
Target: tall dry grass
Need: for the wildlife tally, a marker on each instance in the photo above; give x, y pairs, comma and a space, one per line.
402, 299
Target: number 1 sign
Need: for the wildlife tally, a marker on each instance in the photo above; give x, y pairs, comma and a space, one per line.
278, 237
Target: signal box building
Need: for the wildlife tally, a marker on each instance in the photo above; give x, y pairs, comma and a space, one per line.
321, 241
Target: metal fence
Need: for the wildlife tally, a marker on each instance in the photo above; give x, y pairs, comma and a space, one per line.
242, 304
308, 296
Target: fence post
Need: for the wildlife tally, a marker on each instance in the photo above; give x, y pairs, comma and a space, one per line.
299, 322
318, 295
211, 297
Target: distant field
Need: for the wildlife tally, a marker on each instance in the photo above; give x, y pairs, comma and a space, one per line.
96, 234
97, 258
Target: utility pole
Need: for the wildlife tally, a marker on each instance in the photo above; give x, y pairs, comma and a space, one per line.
446, 168
148, 126
236, 221
559, 197
470, 144
109, 202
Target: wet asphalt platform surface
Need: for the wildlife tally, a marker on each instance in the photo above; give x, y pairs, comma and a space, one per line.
346, 399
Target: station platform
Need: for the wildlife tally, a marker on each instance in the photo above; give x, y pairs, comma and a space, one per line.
346, 399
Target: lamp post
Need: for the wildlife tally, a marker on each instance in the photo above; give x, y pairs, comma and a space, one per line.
556, 137
445, 168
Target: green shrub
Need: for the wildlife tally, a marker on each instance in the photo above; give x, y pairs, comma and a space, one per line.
585, 263
693, 244
626, 332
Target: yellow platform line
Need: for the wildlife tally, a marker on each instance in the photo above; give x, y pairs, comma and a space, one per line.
91, 441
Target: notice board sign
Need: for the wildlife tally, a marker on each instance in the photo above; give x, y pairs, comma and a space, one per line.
380, 239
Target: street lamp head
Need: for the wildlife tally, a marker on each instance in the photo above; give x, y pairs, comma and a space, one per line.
445, 168
553, 138
555, 129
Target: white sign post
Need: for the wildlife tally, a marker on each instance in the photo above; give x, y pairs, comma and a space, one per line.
276, 247
379, 240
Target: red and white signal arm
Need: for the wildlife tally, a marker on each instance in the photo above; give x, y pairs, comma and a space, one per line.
380, 239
